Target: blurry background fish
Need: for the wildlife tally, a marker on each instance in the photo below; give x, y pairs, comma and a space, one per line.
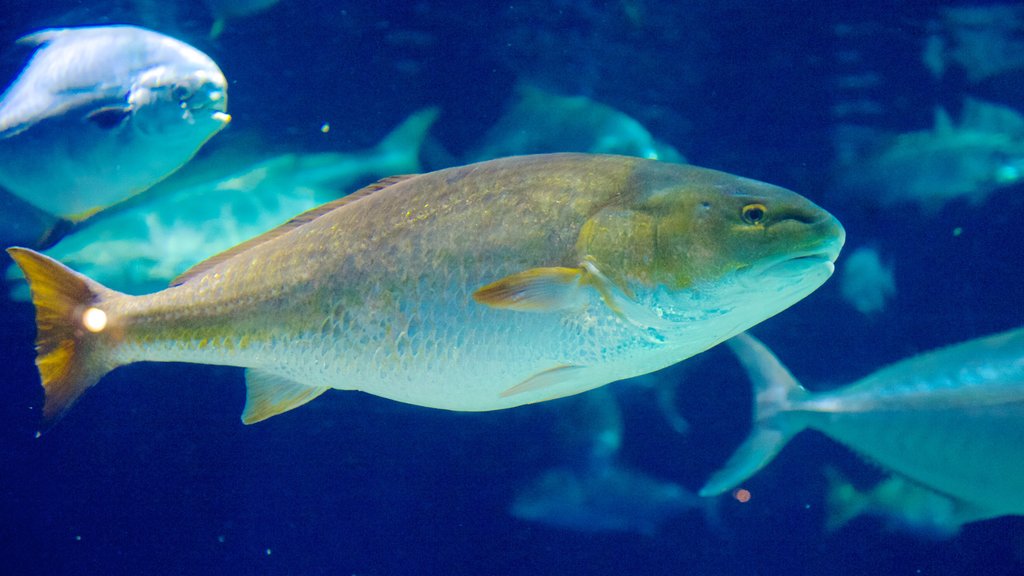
222, 201
100, 114
539, 121
594, 490
979, 48
616, 499
966, 160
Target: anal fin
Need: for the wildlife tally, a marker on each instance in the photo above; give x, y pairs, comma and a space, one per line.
268, 394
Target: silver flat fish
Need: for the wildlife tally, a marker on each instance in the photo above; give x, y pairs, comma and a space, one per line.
100, 114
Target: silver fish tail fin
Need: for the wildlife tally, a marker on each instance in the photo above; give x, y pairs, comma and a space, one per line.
775, 391
73, 336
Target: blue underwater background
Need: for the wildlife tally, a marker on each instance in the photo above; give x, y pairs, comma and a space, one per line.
153, 473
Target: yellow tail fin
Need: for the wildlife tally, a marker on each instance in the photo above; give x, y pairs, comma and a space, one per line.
72, 332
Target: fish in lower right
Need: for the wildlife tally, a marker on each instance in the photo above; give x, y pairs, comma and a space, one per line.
949, 420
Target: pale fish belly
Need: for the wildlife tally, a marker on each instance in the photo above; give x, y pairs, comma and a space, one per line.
971, 453
442, 351
459, 356
455, 354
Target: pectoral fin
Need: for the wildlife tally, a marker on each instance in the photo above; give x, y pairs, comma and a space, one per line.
554, 378
268, 394
535, 290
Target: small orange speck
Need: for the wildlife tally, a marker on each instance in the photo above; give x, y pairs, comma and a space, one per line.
742, 495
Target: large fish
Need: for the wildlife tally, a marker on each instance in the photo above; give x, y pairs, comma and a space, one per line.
102, 113
949, 420
478, 287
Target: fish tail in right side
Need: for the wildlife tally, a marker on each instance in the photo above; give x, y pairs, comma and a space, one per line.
74, 335
775, 392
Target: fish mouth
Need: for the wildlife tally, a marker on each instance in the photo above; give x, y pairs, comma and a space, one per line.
801, 264
823, 255
210, 98
819, 260
219, 117
222, 117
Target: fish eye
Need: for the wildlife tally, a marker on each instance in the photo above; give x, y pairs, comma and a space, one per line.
181, 93
754, 213
108, 118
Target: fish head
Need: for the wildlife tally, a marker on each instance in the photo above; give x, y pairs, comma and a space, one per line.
117, 77
102, 113
690, 247
181, 102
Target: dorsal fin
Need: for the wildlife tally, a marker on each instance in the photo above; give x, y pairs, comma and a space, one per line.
41, 37
296, 222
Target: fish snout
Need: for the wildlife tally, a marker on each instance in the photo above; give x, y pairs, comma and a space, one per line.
814, 241
206, 91
831, 236
815, 231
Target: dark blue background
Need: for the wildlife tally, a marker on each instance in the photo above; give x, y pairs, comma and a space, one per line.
152, 472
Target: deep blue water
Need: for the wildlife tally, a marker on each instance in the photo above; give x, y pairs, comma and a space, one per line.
152, 472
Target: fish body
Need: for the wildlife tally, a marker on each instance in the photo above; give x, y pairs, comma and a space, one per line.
479, 287
210, 206
540, 121
102, 113
948, 420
